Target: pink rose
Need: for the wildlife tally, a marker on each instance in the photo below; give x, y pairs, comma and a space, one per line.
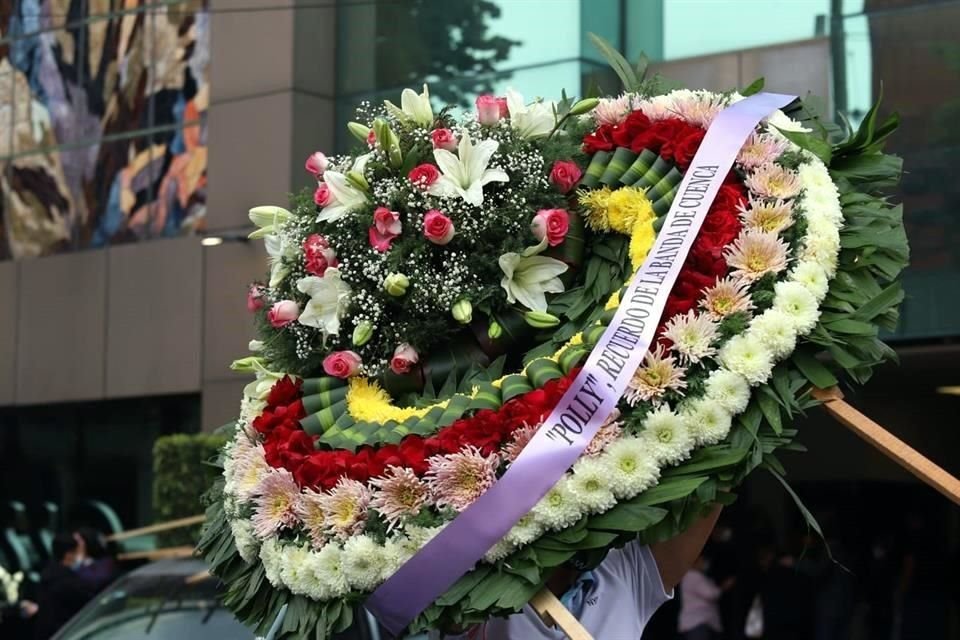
565, 174
255, 298
424, 175
371, 138
322, 196
386, 227
316, 163
341, 364
551, 224
444, 139
404, 357
283, 313
437, 227
504, 109
489, 109
318, 256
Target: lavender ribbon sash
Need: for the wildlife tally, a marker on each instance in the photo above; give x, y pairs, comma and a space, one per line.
594, 393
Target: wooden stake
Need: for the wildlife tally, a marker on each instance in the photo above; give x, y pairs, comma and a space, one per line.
155, 528
158, 554
888, 444
553, 613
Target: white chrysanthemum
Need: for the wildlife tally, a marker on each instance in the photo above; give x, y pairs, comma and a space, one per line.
420, 536
363, 562
526, 530
630, 467
293, 569
794, 300
692, 335
823, 251
776, 331
396, 552
729, 390
243, 538
558, 509
270, 558
820, 227
325, 568
708, 421
591, 486
666, 435
747, 357
779, 120
819, 185
499, 551
824, 204
812, 276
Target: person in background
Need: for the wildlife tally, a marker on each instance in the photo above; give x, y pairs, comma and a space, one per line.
62, 591
699, 603
98, 568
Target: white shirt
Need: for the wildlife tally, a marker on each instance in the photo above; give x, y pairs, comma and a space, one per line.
698, 602
625, 594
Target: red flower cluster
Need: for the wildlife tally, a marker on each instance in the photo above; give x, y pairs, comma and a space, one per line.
673, 139
289, 447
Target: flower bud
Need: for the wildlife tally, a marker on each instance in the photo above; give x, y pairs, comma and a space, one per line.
462, 311
584, 106
359, 131
356, 179
362, 334
247, 365
255, 345
541, 319
396, 284
494, 331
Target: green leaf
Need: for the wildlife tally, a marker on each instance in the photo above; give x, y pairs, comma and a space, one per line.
812, 143
463, 586
754, 87
628, 516
771, 411
617, 62
668, 490
807, 516
813, 370
707, 459
643, 62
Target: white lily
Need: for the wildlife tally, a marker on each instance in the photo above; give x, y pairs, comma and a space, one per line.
413, 107
466, 174
267, 218
531, 121
329, 298
345, 197
277, 249
527, 279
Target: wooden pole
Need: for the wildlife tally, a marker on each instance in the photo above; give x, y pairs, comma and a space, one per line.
155, 528
158, 554
553, 613
888, 444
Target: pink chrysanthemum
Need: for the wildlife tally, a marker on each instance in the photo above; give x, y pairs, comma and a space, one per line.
761, 148
249, 467
401, 494
456, 480
275, 506
609, 433
310, 512
729, 295
773, 181
520, 438
612, 111
659, 108
699, 108
658, 374
769, 217
693, 335
755, 254
345, 508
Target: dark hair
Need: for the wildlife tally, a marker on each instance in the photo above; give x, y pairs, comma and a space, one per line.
96, 543
62, 543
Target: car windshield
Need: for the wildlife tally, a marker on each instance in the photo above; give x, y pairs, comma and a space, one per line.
156, 607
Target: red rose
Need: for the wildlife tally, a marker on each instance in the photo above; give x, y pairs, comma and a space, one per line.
684, 148
424, 175
634, 125
565, 174
317, 255
444, 139
599, 140
284, 391
341, 364
437, 227
255, 297
322, 195
413, 452
658, 134
552, 224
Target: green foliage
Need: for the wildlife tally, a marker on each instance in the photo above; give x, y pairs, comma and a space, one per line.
181, 474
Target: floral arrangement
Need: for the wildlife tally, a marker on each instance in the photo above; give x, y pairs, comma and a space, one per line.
429, 303
11, 586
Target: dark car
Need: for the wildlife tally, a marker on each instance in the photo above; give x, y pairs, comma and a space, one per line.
171, 600
158, 601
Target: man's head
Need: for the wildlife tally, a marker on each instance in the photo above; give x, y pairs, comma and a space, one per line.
69, 549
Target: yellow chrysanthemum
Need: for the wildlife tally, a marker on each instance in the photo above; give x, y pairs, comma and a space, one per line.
641, 239
613, 302
368, 402
595, 208
626, 207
